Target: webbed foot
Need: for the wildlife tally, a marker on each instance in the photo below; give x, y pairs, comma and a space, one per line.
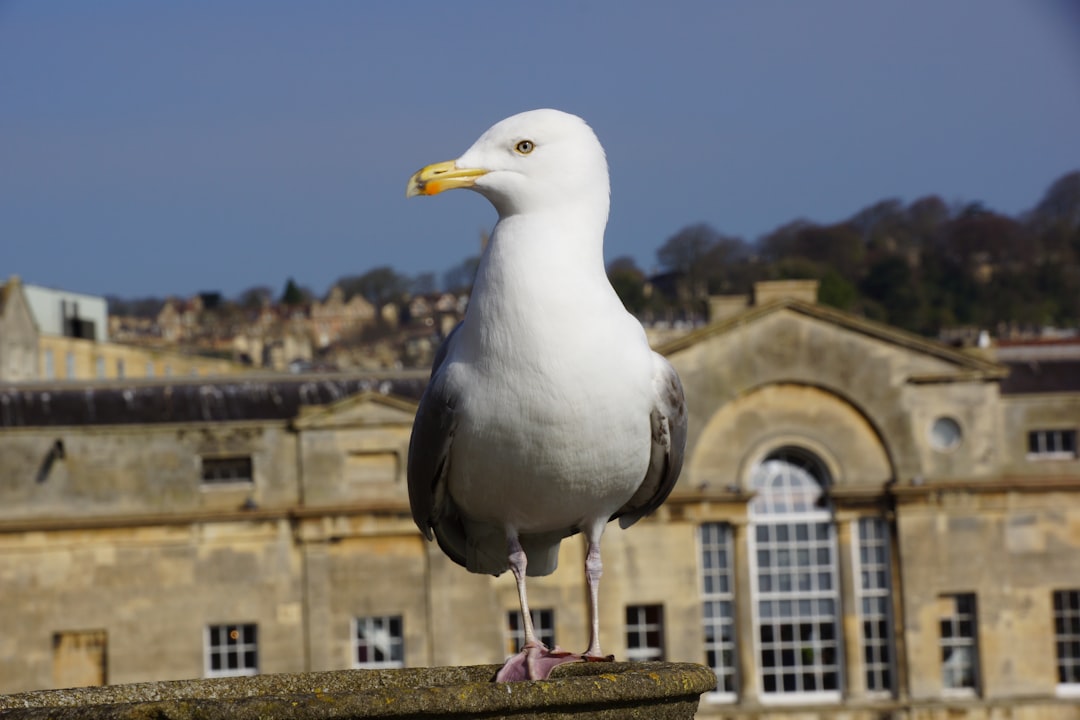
534, 662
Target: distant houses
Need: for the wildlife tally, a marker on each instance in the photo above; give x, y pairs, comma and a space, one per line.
48, 334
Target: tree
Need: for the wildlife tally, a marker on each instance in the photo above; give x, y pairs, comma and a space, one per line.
460, 278
255, 297
927, 214
889, 283
780, 242
701, 255
1060, 203
629, 283
292, 294
686, 248
378, 286
835, 246
837, 292
423, 284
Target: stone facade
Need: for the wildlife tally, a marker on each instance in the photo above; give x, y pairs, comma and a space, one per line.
18, 334
74, 346
67, 358
932, 501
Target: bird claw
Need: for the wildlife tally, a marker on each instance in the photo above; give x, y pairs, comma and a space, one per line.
534, 662
598, 658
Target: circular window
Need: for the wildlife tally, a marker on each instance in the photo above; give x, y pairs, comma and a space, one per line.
945, 434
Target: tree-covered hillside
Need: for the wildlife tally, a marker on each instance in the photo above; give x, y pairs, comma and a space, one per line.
923, 266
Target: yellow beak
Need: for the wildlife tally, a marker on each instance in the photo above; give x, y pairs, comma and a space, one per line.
433, 179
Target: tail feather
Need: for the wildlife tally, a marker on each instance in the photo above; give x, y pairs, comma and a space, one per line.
481, 548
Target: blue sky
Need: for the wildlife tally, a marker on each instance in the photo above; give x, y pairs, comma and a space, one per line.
153, 148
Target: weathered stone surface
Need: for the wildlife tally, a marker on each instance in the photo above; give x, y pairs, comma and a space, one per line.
595, 690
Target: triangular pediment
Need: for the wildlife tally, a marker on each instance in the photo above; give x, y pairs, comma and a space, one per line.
365, 409
926, 360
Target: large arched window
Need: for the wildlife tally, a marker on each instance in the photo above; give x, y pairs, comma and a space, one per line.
796, 589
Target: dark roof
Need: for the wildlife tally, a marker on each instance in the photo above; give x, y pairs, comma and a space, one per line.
1041, 376
192, 401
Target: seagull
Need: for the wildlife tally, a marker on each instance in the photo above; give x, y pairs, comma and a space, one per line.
547, 413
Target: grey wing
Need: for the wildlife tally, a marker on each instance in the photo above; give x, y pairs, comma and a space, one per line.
668, 423
429, 446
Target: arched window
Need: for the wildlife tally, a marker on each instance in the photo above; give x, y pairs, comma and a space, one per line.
796, 588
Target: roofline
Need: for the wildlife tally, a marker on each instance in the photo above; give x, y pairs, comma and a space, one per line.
248, 375
310, 415
980, 368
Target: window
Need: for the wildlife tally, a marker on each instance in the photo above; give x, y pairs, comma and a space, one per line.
1067, 640
645, 632
875, 608
226, 470
99, 367
69, 365
543, 626
50, 366
718, 604
149, 368
372, 466
1052, 444
378, 642
945, 434
796, 591
80, 658
232, 650
120, 368
959, 653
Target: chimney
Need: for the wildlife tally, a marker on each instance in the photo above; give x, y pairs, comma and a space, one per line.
768, 291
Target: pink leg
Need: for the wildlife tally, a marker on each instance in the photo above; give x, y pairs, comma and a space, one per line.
594, 568
535, 661
518, 564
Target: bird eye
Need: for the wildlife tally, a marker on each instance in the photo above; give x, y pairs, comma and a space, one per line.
524, 147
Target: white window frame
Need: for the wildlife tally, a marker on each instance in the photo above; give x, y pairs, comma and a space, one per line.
1066, 631
543, 625
716, 552
1048, 441
873, 591
783, 512
379, 637
238, 644
956, 641
640, 630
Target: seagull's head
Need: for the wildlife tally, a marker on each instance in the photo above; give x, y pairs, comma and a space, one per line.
534, 161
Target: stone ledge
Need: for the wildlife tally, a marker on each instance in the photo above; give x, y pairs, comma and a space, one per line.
596, 690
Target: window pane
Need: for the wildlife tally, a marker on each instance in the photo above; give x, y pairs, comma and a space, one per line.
1066, 605
378, 642
717, 603
231, 650
795, 589
958, 637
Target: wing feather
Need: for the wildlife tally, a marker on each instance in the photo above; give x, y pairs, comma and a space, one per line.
429, 445
668, 423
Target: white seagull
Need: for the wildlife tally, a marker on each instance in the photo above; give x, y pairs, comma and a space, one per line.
547, 413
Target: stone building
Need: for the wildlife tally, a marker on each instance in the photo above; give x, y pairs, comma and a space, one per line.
868, 524
18, 334
48, 334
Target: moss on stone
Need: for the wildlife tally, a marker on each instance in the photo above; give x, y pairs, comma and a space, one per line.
595, 690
